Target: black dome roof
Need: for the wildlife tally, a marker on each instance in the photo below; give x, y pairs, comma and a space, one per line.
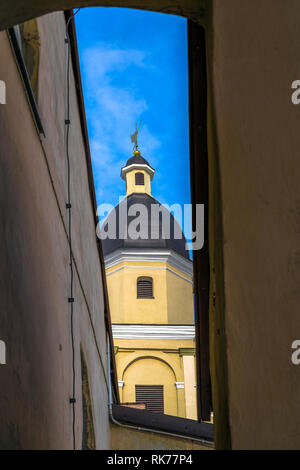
110, 245
138, 160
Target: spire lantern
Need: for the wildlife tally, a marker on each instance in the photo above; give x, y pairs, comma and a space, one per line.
137, 172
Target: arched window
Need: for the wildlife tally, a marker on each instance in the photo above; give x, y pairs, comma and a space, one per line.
139, 179
145, 288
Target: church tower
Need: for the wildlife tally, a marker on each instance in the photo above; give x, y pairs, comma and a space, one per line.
149, 281
138, 175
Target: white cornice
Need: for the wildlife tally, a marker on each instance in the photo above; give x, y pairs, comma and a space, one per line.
179, 384
178, 332
151, 255
137, 166
139, 267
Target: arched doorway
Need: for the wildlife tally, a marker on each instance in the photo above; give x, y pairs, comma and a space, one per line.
151, 371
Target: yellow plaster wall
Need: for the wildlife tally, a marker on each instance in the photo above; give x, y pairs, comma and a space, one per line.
167, 351
179, 298
152, 361
131, 187
172, 302
122, 286
189, 386
116, 293
151, 371
125, 356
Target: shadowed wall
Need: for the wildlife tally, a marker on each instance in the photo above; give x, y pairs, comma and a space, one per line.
36, 382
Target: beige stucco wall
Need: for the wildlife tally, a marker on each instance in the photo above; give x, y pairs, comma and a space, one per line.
36, 382
130, 439
253, 57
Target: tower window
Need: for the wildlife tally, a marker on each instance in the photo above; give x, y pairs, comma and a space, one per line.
145, 288
139, 179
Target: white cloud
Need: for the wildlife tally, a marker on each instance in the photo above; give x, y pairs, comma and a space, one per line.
104, 59
113, 111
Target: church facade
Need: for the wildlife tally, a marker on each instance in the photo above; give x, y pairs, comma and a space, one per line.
150, 288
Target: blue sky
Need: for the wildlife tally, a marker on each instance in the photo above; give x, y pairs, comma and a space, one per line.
134, 66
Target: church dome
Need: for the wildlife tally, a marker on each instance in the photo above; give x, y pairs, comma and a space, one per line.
154, 227
157, 225
137, 159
